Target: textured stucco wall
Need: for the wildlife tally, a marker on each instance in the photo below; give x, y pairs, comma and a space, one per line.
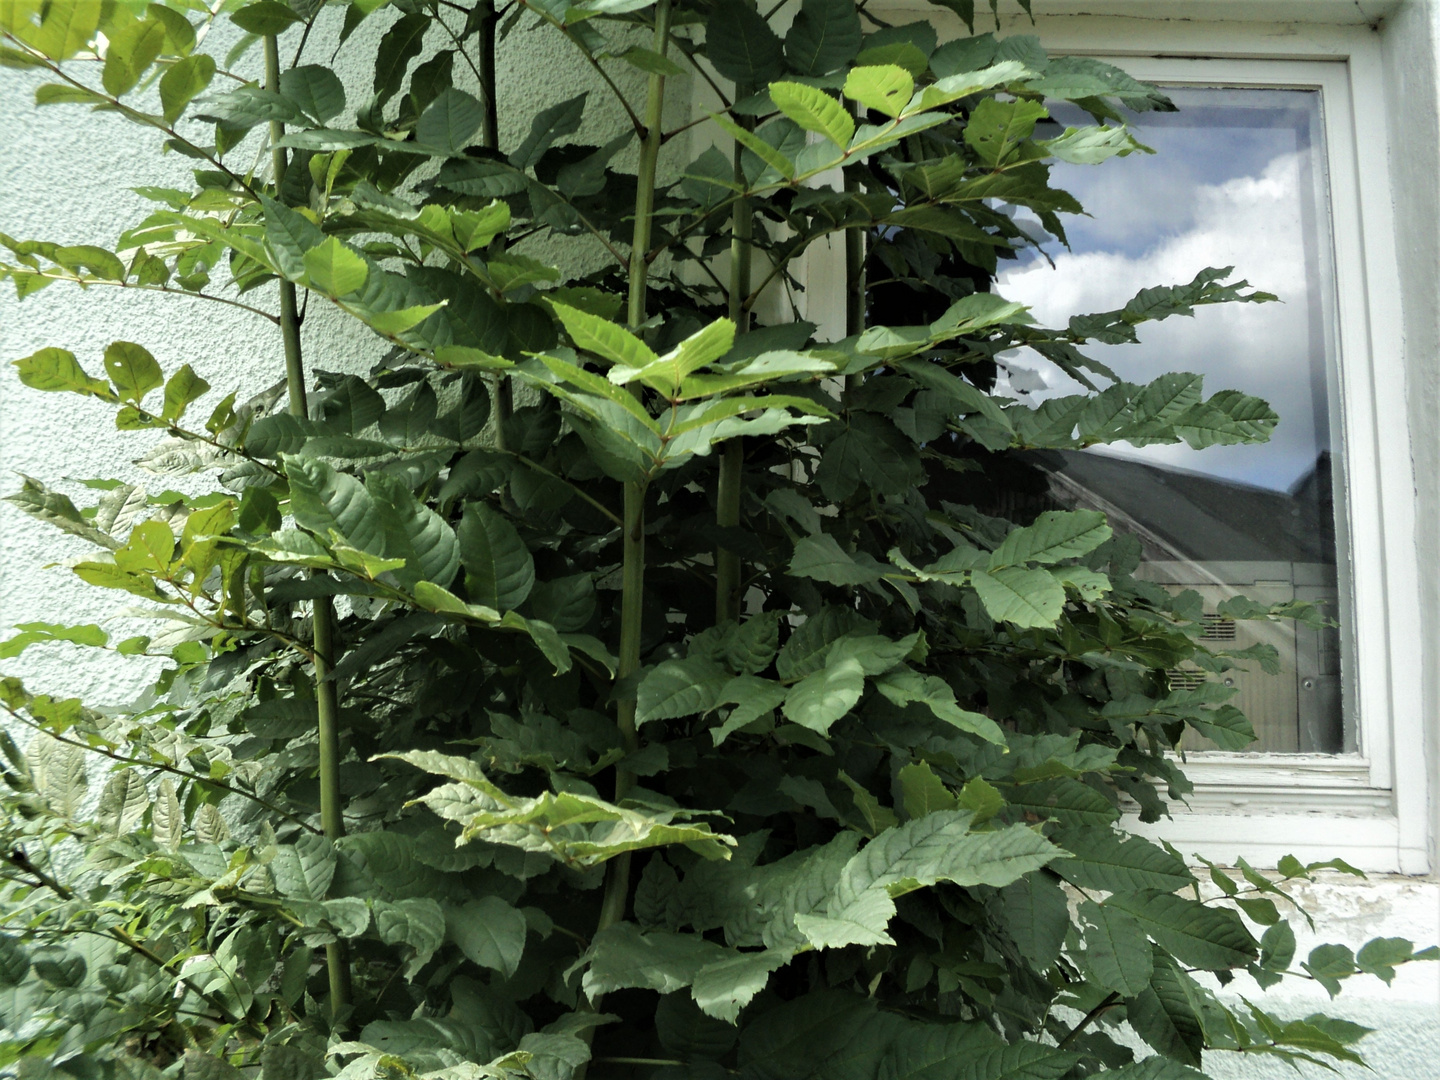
64, 175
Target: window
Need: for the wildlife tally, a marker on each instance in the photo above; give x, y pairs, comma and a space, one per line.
1239, 179
1268, 168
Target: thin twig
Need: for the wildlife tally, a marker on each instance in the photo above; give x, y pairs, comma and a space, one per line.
605, 75
76, 279
614, 517
1107, 1003
131, 114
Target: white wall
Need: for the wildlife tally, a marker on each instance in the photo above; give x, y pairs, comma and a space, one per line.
64, 175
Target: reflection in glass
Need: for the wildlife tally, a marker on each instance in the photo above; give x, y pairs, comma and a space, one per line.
1238, 180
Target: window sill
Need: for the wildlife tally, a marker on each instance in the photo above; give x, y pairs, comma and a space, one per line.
1295, 784
1261, 808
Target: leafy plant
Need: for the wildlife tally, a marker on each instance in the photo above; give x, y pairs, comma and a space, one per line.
611, 682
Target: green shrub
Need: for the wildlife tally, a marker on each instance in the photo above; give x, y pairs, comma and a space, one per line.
607, 684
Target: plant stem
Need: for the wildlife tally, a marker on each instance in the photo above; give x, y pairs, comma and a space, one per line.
1088, 1019
649, 158
727, 515
732, 458
854, 272
490, 139
327, 696
490, 124
617, 881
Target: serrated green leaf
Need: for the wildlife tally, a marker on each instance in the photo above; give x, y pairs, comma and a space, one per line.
885, 88
1117, 952
323, 500
970, 1051
316, 89
57, 369
334, 269
1205, 937
678, 688
489, 932
1036, 914
723, 987
1164, 1014
670, 371
14, 961
825, 35
741, 45
1025, 597
548, 125
1054, 535
814, 110
123, 802
622, 957
130, 53
303, 870
264, 18
997, 128
922, 791
821, 558
604, 338
1106, 860
418, 922
824, 696
167, 822
182, 82
413, 532
767, 153
905, 686
499, 569
752, 697
181, 389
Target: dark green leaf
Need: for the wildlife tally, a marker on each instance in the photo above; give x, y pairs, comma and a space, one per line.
1117, 952
488, 931
265, 17
499, 570
316, 90
1205, 937
824, 36
741, 45
549, 124
449, 121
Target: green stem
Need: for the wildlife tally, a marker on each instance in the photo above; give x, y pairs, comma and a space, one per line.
732, 458
854, 272
649, 158
490, 139
854, 281
728, 572
1106, 1004
327, 696
617, 881
490, 124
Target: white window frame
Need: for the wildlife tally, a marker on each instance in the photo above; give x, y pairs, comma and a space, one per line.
1368, 808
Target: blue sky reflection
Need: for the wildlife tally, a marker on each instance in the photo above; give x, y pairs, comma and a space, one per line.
1237, 179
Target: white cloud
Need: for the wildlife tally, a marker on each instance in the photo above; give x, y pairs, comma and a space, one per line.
1253, 223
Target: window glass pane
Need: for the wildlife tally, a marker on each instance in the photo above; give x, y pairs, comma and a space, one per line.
1238, 180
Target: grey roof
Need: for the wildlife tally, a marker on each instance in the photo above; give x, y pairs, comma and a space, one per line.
1200, 517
